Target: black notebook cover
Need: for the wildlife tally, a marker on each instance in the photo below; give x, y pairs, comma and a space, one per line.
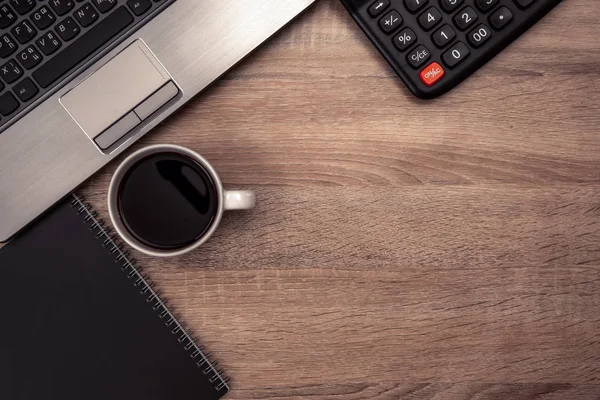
80, 322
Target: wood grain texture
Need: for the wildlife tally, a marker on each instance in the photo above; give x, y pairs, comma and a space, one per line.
401, 249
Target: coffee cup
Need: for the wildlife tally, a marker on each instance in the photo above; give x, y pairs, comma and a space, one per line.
167, 200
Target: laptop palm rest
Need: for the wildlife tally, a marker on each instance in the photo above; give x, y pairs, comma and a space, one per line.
120, 95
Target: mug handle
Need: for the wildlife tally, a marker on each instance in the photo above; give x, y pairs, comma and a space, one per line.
239, 200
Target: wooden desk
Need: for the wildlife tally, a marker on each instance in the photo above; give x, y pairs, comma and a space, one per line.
400, 249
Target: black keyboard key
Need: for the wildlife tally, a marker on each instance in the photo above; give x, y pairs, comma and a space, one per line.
104, 5
390, 21
443, 36
43, 17
479, 35
23, 6
61, 7
486, 5
7, 16
456, 54
25, 89
10, 71
405, 39
29, 57
524, 3
23, 31
378, 7
97, 36
450, 5
7, 46
48, 43
139, 7
86, 15
418, 56
415, 5
430, 18
67, 29
500, 18
465, 18
8, 104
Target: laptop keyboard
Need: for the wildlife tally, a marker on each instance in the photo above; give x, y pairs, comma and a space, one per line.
41, 41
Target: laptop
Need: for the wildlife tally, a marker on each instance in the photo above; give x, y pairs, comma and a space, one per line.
81, 80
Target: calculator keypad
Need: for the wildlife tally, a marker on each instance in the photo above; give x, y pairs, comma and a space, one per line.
430, 18
390, 21
435, 44
405, 39
456, 54
415, 5
524, 3
499, 19
378, 7
431, 74
451, 5
443, 36
479, 35
418, 56
465, 18
486, 5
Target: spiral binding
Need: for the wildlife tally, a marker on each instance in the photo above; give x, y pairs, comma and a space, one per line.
145, 287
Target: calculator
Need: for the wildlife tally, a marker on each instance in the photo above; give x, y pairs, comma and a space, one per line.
433, 45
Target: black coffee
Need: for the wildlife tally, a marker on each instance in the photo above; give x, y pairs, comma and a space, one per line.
167, 201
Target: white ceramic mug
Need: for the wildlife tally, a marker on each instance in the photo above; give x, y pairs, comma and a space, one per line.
226, 200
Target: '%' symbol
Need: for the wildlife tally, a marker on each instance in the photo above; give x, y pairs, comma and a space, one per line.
405, 38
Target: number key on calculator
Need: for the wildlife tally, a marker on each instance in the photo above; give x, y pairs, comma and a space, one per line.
433, 45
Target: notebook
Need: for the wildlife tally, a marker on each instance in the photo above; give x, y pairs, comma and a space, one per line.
80, 321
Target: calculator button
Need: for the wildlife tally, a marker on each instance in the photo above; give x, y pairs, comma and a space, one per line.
486, 5
431, 74
443, 36
456, 54
405, 39
479, 35
465, 18
390, 22
501, 18
524, 3
450, 5
378, 7
430, 18
415, 5
418, 56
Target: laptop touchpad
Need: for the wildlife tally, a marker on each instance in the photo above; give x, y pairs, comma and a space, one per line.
120, 95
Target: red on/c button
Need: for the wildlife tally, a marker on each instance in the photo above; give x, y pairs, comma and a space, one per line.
432, 73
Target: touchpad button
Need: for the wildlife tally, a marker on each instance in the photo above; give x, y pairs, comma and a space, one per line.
116, 89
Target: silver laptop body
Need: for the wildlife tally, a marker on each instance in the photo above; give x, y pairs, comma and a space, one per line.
94, 112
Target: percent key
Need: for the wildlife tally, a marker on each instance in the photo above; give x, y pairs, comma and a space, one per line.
405, 39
